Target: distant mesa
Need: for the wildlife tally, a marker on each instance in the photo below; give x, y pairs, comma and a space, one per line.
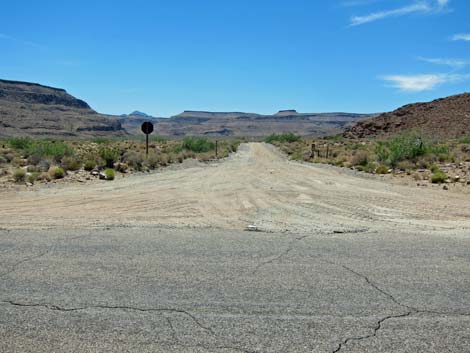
287, 112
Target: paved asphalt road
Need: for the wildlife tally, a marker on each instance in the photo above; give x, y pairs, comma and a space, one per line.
161, 289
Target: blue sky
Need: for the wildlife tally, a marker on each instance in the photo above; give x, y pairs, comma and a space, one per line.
162, 57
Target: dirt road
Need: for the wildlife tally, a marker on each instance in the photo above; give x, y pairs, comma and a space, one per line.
257, 186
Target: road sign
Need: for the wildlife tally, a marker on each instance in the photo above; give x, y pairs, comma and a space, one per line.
147, 129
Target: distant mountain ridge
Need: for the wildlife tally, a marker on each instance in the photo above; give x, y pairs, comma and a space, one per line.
36, 110
442, 118
247, 124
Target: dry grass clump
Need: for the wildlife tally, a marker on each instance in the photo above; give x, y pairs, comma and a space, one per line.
56, 172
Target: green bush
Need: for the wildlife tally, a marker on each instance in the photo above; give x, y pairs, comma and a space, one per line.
20, 143
404, 147
282, 138
361, 158
439, 177
465, 140
110, 156
133, 159
89, 165
109, 174
198, 144
56, 173
101, 140
19, 174
33, 177
70, 163
48, 148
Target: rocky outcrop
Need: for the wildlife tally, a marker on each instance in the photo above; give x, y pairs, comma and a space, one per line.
442, 118
36, 110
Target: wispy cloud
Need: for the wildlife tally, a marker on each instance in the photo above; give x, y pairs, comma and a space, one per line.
454, 63
425, 82
423, 7
462, 36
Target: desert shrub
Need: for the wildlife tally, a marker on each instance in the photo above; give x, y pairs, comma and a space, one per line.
465, 140
434, 168
369, 167
19, 162
20, 143
158, 139
406, 165
89, 165
110, 175
439, 177
382, 169
9, 156
197, 144
44, 176
360, 158
32, 169
19, 174
34, 159
109, 155
49, 148
289, 137
133, 159
44, 165
56, 172
33, 177
152, 161
71, 163
403, 147
101, 140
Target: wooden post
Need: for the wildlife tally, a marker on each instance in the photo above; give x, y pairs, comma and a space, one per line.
216, 148
327, 151
312, 153
146, 145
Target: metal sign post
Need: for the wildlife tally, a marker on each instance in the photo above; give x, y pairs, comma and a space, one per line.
147, 129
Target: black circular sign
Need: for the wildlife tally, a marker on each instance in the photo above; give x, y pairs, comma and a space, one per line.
147, 128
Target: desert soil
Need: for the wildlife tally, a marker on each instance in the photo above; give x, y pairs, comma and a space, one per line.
257, 186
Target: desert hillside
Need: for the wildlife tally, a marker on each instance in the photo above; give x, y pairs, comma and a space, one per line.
36, 110
444, 118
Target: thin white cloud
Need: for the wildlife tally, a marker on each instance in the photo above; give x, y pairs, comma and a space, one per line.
454, 63
425, 82
462, 36
423, 7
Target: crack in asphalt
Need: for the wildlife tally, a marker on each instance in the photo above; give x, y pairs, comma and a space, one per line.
173, 331
372, 284
281, 255
114, 307
373, 334
412, 310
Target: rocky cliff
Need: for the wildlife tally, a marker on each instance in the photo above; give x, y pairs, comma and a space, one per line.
36, 110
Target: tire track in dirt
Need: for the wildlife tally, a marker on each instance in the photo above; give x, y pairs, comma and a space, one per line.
257, 186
